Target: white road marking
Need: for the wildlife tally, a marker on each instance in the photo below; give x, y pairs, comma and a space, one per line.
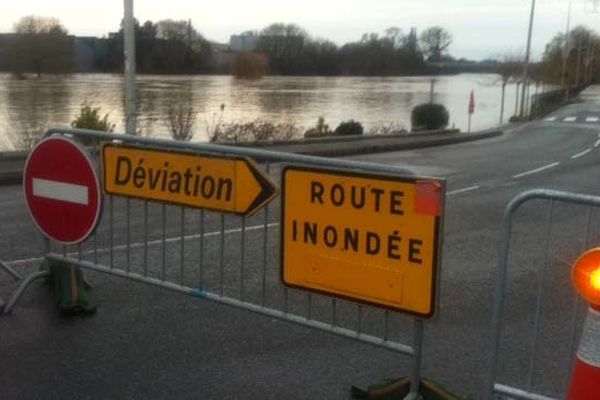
138, 245
467, 189
597, 143
570, 119
534, 171
583, 153
61, 191
592, 119
550, 119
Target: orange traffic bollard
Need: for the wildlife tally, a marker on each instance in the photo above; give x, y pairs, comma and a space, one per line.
585, 380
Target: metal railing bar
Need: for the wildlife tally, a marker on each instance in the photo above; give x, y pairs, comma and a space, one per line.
265, 246
519, 394
232, 150
222, 257
145, 237
128, 233
182, 246
164, 243
538, 306
242, 257
347, 333
201, 251
111, 228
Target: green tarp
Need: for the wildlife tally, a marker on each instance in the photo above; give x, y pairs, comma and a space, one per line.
70, 289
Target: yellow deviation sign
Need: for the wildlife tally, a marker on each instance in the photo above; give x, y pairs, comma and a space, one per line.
371, 238
220, 183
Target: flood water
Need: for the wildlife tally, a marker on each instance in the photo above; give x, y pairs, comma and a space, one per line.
32, 105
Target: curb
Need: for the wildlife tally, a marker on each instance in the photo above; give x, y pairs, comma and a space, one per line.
11, 177
375, 144
329, 148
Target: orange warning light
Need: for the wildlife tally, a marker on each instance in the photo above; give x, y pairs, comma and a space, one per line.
586, 276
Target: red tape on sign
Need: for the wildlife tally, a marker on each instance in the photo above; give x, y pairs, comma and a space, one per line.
428, 198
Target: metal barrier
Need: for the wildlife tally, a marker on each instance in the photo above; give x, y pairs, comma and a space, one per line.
6, 268
227, 259
537, 332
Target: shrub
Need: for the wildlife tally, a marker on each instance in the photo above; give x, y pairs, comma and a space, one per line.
349, 128
392, 128
181, 121
322, 129
89, 118
256, 130
429, 116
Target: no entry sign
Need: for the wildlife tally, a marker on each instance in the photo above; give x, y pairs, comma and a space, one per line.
62, 190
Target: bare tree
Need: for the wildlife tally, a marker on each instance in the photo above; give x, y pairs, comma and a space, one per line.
41, 45
434, 42
34, 25
508, 69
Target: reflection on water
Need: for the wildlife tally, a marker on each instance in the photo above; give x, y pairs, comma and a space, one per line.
32, 105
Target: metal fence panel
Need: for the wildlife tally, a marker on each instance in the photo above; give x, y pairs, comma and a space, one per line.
536, 313
227, 259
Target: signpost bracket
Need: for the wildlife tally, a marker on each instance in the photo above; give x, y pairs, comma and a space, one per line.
10, 271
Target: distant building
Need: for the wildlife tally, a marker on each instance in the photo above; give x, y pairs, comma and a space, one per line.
88, 50
247, 41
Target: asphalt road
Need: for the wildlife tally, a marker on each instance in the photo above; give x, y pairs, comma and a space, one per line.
146, 342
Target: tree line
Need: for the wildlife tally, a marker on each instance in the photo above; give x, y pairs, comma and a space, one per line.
290, 50
43, 45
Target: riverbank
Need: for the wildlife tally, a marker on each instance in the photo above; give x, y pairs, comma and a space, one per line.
13, 162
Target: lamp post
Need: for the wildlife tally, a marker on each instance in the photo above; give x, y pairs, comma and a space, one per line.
129, 45
526, 64
566, 50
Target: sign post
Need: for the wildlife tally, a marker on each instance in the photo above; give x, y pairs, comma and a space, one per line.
220, 183
370, 238
471, 108
62, 190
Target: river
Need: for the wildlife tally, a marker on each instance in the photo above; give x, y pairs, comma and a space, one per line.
31, 105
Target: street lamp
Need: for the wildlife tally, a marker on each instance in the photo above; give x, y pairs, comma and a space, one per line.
566, 49
129, 45
527, 52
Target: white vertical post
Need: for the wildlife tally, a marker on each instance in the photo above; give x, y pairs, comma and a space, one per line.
129, 46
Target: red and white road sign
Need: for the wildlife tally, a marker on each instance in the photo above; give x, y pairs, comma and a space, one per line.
62, 190
472, 103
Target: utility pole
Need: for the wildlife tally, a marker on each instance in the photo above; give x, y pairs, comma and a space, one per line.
527, 52
579, 50
129, 46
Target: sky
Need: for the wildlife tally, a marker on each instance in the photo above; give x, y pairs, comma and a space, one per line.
480, 28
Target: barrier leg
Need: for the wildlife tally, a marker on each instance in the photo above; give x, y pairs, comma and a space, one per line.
415, 379
10, 271
28, 281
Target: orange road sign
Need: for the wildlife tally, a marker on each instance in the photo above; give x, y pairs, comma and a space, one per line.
370, 238
220, 183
